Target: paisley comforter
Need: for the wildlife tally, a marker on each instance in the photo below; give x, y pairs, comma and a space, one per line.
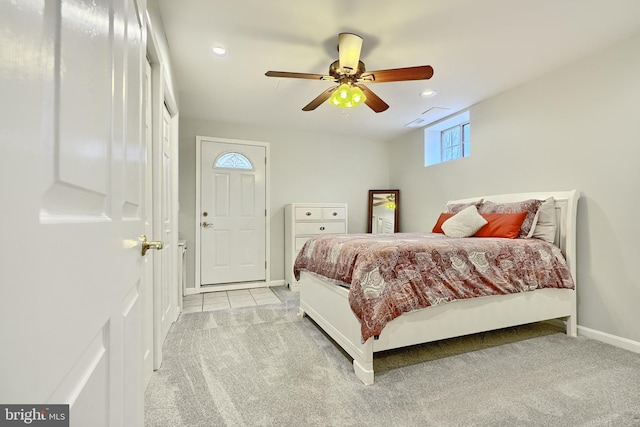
391, 274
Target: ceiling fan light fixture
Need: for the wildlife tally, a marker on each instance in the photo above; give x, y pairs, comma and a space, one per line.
343, 92
347, 96
357, 96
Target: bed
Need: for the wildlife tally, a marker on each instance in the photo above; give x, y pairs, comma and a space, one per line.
332, 303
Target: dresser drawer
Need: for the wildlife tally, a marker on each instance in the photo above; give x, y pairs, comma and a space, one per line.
320, 227
308, 214
334, 213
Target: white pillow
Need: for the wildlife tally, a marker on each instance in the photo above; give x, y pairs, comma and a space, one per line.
544, 224
464, 224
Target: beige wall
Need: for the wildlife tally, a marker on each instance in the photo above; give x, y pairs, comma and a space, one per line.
575, 128
305, 167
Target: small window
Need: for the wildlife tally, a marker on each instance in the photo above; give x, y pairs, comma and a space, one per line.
233, 161
448, 139
453, 142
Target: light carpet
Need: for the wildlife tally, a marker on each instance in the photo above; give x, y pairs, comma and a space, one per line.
265, 366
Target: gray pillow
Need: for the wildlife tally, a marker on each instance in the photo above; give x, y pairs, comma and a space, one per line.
545, 224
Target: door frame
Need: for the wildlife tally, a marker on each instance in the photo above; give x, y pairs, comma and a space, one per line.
258, 284
147, 282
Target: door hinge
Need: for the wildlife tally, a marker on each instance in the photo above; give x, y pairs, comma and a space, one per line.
265, 212
265, 265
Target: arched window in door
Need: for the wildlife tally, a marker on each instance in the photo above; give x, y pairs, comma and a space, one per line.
233, 160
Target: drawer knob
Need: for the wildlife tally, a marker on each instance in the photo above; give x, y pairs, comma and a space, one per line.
335, 214
321, 228
308, 213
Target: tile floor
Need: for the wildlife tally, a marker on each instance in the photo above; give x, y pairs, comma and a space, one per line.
228, 299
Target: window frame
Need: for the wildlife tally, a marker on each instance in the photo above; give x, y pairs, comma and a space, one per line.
460, 144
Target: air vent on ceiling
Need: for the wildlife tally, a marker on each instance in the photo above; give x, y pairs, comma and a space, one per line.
435, 109
415, 123
420, 122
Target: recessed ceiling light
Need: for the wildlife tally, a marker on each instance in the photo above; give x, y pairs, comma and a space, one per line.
428, 93
219, 51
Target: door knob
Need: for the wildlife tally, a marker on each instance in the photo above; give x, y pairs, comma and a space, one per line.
206, 224
150, 244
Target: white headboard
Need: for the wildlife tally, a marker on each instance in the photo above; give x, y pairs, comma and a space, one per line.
566, 214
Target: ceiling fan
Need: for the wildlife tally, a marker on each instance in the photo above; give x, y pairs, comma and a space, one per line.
350, 74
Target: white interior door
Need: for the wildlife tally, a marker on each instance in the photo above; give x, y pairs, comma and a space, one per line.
233, 213
166, 281
72, 164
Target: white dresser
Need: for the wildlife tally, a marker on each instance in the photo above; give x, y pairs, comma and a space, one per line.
304, 220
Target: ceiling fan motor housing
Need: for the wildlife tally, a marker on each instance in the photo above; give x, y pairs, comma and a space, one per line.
338, 73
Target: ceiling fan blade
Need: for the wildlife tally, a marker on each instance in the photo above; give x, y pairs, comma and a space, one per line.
422, 72
319, 99
349, 47
372, 100
299, 75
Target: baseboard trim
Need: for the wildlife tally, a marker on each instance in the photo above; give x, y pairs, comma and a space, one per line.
606, 338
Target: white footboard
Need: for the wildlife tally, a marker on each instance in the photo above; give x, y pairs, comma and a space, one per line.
328, 306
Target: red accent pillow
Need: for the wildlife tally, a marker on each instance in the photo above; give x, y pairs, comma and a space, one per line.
443, 217
502, 225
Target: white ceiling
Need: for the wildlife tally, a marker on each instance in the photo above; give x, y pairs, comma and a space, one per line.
477, 49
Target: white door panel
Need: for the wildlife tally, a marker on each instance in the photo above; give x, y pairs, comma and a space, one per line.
71, 157
161, 225
233, 219
168, 281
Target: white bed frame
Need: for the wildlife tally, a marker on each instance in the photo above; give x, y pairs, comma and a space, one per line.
328, 304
